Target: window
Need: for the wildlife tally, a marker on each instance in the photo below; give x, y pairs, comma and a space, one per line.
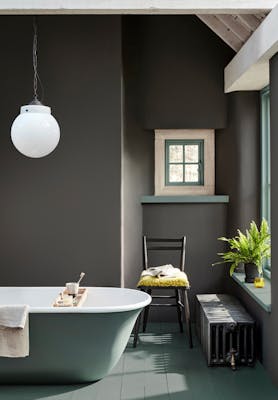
184, 162
265, 161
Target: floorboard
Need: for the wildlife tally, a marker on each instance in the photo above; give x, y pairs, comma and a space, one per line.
162, 367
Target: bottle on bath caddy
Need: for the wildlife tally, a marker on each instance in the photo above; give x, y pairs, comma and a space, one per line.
65, 300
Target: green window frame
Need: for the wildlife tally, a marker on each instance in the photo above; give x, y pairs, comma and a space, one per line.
265, 163
184, 163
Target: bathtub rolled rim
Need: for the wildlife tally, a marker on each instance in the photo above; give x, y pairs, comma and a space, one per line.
140, 300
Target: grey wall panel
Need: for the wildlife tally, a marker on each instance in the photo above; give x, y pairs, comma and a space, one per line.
173, 74
181, 73
238, 160
60, 214
138, 156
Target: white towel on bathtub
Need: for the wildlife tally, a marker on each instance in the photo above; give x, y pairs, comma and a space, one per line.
14, 331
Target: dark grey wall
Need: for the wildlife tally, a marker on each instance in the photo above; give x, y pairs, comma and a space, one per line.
60, 214
173, 79
238, 160
180, 81
137, 156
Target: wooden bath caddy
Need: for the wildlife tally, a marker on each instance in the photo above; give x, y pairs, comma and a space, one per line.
77, 301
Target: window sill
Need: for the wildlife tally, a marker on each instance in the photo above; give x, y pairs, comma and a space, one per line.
261, 295
185, 199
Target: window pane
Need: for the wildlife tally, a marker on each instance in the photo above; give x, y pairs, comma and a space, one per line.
175, 153
175, 173
191, 153
191, 173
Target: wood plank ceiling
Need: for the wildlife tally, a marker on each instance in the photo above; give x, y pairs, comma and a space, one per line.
233, 29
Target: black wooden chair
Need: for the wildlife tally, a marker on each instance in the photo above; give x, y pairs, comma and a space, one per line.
180, 285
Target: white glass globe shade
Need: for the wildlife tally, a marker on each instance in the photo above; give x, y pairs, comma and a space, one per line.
35, 132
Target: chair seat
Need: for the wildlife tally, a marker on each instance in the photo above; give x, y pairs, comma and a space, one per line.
154, 281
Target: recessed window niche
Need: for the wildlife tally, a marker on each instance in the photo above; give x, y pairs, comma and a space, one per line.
184, 162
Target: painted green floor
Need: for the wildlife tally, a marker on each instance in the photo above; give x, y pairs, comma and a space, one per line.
161, 368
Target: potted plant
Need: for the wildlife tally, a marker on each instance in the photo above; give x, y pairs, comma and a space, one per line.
251, 249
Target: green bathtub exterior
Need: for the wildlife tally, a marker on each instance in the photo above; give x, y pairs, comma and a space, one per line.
67, 348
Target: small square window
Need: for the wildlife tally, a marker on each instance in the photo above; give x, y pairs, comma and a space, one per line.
184, 162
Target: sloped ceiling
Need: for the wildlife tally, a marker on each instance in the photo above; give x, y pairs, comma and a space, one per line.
234, 29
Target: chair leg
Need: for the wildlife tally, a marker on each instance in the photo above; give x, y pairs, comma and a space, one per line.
178, 301
146, 313
188, 319
136, 330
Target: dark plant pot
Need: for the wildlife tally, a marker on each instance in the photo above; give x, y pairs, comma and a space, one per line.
251, 272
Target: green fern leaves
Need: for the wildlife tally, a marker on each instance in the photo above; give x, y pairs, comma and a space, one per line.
252, 247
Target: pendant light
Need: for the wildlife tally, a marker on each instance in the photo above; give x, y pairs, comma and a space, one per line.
35, 132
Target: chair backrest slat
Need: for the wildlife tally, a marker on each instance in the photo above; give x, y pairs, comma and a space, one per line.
164, 248
163, 240
180, 247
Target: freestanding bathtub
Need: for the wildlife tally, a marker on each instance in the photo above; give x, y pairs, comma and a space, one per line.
71, 344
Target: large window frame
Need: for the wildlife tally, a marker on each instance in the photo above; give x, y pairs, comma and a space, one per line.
265, 165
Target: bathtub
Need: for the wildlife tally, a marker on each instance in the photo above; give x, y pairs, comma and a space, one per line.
72, 345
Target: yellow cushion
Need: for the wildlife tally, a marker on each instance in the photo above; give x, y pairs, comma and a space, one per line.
147, 280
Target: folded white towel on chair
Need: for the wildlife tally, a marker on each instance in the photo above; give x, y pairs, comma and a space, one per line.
161, 271
14, 331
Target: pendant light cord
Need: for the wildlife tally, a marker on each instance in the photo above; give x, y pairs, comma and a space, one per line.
35, 62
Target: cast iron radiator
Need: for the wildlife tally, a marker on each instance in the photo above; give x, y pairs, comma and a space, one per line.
225, 329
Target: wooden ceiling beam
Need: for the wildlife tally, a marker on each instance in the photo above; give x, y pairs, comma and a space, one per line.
235, 26
250, 21
226, 34
261, 16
